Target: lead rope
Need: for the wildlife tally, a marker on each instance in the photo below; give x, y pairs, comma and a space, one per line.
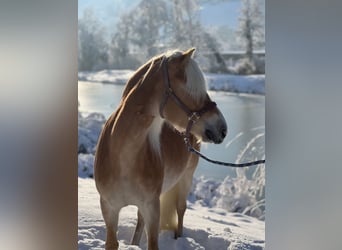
235, 165
186, 137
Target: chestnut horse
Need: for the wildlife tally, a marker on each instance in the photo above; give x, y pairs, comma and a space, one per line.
141, 158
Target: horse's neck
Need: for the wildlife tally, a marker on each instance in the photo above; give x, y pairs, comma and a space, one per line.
139, 120
145, 98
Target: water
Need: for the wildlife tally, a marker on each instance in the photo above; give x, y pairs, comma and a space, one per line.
245, 116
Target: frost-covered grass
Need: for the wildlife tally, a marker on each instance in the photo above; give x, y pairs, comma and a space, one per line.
233, 83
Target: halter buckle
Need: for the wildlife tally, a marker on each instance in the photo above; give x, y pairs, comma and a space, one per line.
194, 117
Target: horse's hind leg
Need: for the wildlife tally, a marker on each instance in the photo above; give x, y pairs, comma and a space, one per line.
110, 216
138, 230
151, 212
181, 207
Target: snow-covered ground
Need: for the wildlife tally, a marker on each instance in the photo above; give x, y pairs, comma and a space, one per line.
234, 83
204, 227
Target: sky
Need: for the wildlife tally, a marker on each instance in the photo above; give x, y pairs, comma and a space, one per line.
108, 11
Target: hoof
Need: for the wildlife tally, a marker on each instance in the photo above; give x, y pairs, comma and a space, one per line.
178, 235
112, 246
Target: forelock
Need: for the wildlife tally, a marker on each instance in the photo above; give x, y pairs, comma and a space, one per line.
195, 84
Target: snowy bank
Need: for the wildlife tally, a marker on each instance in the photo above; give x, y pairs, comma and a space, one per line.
106, 76
224, 82
252, 84
204, 227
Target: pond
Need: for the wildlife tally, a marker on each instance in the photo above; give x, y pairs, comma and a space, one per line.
244, 113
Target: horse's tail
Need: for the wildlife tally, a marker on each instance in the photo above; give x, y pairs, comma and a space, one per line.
168, 209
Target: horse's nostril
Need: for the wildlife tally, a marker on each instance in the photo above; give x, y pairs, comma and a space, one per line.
224, 132
209, 134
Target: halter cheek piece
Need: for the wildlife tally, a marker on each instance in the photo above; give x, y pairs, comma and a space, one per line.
193, 116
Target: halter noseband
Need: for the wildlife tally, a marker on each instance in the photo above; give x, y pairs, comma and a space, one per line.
193, 116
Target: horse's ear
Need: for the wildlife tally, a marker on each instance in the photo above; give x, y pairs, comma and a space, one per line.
189, 52
187, 55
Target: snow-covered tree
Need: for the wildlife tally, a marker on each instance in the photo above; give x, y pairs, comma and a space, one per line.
154, 26
140, 29
186, 30
184, 26
120, 56
251, 27
92, 45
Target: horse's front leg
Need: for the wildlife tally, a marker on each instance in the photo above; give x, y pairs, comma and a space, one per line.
151, 212
110, 216
138, 230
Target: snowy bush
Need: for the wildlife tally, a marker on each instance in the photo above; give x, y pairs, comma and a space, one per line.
86, 165
239, 194
203, 190
245, 193
244, 67
89, 129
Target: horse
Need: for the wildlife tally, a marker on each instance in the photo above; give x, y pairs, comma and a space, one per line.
141, 158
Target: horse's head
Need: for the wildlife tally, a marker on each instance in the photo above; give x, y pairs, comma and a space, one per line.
186, 104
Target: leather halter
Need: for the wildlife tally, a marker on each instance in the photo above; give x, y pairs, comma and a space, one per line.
193, 116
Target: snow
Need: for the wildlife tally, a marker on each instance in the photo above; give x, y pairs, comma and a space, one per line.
226, 214
204, 227
225, 82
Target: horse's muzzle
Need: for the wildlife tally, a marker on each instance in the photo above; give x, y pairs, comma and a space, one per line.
215, 134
